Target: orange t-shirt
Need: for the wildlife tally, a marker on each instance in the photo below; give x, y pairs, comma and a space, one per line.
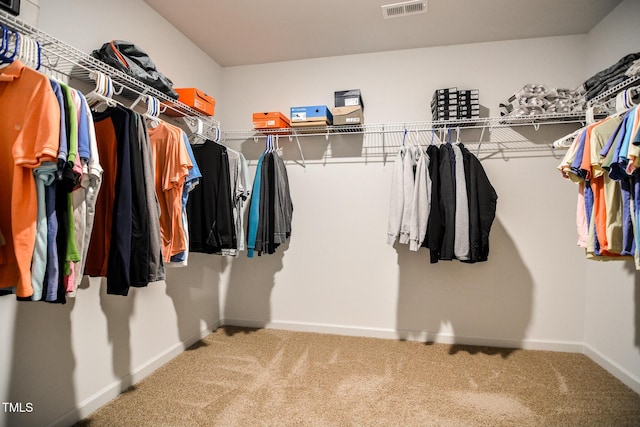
171, 167
100, 243
29, 135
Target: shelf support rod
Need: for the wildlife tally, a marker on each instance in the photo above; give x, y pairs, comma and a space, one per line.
304, 164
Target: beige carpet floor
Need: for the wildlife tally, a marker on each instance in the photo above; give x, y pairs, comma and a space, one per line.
245, 377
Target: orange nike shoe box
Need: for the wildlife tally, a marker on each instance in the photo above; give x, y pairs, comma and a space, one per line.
196, 99
270, 120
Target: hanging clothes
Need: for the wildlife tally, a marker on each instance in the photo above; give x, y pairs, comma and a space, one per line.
433, 239
109, 253
421, 202
447, 200
172, 165
29, 136
209, 209
270, 207
156, 270
57, 154
238, 179
88, 193
453, 204
482, 199
603, 160
181, 259
125, 244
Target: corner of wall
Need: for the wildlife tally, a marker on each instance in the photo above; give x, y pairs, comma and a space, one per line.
30, 12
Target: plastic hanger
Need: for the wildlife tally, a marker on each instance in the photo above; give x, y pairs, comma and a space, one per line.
403, 146
26, 49
4, 41
99, 95
153, 110
11, 56
197, 131
630, 95
271, 144
29, 51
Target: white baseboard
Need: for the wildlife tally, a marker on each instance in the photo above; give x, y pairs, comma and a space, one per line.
613, 368
102, 397
420, 336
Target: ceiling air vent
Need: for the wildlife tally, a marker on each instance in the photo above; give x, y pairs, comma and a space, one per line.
397, 10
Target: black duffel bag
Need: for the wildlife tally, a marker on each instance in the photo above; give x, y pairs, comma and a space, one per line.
129, 58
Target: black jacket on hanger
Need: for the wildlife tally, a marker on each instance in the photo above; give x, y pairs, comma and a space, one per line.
447, 201
433, 238
482, 199
209, 208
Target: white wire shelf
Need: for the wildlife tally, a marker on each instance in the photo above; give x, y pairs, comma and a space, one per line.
59, 58
499, 137
612, 92
394, 128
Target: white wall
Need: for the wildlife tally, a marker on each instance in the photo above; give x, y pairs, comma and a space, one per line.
86, 25
68, 360
338, 273
612, 315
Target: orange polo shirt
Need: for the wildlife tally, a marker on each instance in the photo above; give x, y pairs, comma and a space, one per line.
29, 135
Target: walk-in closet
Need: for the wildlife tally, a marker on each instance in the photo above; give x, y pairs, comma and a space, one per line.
419, 213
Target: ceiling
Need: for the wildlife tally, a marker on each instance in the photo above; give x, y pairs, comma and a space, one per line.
242, 32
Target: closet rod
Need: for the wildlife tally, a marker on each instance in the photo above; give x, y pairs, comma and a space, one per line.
59, 58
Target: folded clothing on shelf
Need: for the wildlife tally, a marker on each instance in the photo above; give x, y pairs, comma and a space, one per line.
634, 69
609, 77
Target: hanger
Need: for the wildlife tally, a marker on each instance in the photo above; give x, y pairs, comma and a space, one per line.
457, 141
28, 51
197, 135
567, 140
16, 47
403, 146
5, 42
631, 94
270, 144
3, 39
153, 110
99, 96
